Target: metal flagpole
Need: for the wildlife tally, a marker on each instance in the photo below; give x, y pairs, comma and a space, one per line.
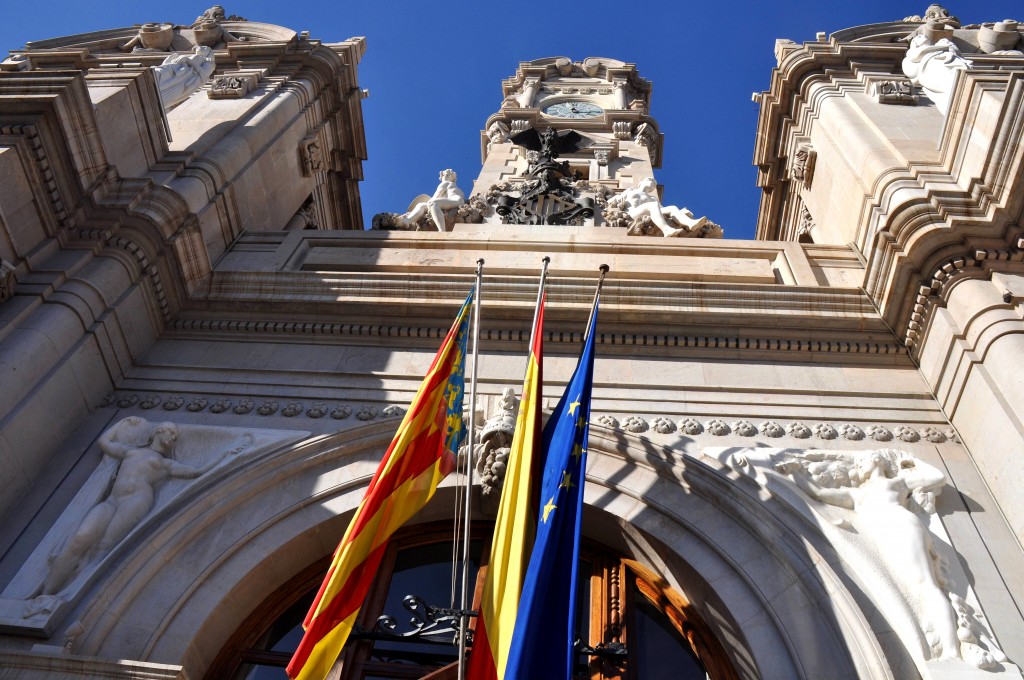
463, 604
597, 296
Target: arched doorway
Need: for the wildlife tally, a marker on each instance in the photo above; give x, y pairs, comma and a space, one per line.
632, 625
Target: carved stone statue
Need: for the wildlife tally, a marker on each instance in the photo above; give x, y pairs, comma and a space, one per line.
642, 202
141, 469
933, 66
448, 196
182, 74
890, 493
492, 451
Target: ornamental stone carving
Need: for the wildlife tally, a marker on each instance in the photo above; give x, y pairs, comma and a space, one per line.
182, 74
690, 426
886, 498
879, 433
802, 168
622, 129
772, 429
647, 216
392, 411
234, 85
366, 413
635, 424
144, 467
341, 412
492, 451
744, 428
894, 91
152, 37
717, 427
851, 432
663, 425
139, 456
207, 28
933, 65
607, 421
825, 431
798, 430
311, 155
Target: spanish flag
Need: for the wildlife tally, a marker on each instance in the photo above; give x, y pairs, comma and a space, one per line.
545, 633
513, 530
420, 456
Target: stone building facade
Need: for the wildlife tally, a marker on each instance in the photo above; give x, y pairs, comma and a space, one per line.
803, 453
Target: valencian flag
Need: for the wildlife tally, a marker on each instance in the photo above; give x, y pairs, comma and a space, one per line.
513, 529
420, 456
543, 642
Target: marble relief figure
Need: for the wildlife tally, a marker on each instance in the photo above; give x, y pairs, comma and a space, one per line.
144, 466
446, 197
131, 497
891, 495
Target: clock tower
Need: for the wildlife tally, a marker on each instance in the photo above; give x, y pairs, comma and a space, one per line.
601, 104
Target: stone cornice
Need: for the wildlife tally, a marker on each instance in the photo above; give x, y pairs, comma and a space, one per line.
935, 293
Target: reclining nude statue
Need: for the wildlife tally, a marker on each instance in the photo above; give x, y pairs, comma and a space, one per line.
144, 452
642, 201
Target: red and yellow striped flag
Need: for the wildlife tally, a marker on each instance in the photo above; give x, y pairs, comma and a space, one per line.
420, 456
513, 529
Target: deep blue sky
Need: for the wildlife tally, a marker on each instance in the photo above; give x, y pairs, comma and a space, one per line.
434, 72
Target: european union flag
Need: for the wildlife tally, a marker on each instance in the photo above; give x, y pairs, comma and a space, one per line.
542, 645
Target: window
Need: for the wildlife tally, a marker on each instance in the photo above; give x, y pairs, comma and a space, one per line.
631, 624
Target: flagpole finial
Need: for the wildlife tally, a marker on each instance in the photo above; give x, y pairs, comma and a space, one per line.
546, 260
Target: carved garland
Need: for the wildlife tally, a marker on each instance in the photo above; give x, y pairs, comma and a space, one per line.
933, 294
797, 430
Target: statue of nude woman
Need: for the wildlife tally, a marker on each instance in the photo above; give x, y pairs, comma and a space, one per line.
131, 497
878, 487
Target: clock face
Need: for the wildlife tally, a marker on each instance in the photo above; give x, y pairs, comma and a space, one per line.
574, 109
